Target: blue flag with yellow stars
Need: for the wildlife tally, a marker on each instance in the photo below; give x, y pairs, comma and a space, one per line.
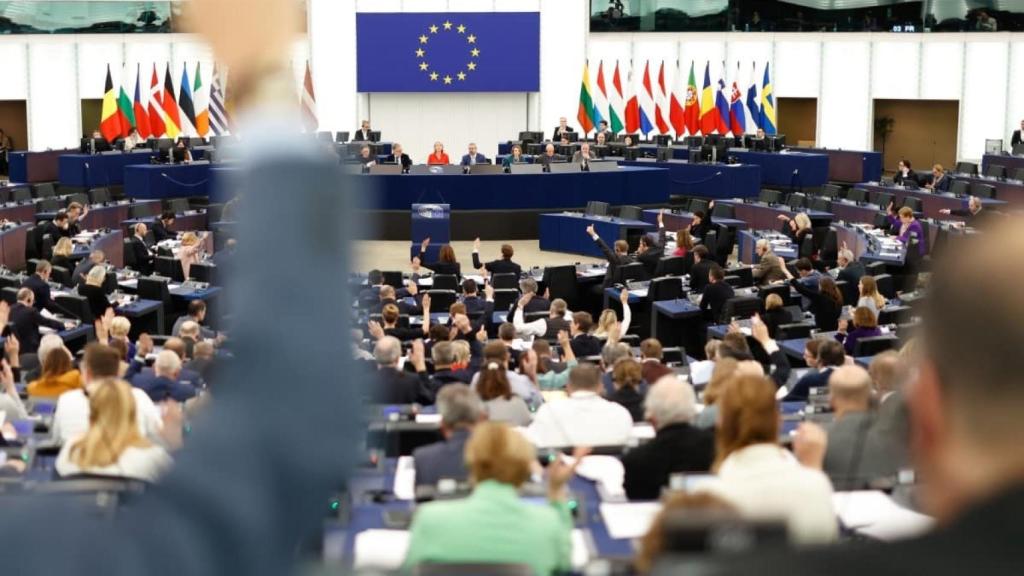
448, 52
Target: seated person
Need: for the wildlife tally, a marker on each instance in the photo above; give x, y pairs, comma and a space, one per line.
769, 266
908, 228
62, 251
460, 410
438, 156
27, 320
865, 325
549, 157
559, 320
92, 290
366, 159
940, 181
651, 356
163, 383
797, 227
58, 373
394, 386
516, 157
904, 173
582, 419
493, 525
716, 294
849, 462
140, 250
775, 314
473, 157
492, 384
162, 227
629, 387
443, 355
583, 156
583, 342
829, 357
399, 157
504, 265
446, 261
497, 352
113, 446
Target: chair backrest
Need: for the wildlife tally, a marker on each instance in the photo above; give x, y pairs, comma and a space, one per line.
505, 280
61, 275
820, 204
995, 171
46, 250
699, 205
967, 168
666, 288
139, 211
960, 187
723, 243
981, 190
504, 297
724, 211
630, 272
807, 246
794, 330
170, 267
886, 285
797, 201
21, 194
770, 196
562, 283
880, 199
857, 195
393, 278
679, 202
45, 190
79, 197
875, 345
782, 290
711, 242
441, 299
829, 251
9, 294
178, 205
630, 212
1018, 174
203, 272
446, 282
51, 204
742, 307
895, 315
913, 203
5, 195
831, 191
78, 306
670, 266
597, 208
99, 195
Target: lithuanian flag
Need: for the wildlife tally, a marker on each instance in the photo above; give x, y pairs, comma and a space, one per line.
585, 115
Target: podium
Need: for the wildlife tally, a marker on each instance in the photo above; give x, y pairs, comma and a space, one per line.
430, 221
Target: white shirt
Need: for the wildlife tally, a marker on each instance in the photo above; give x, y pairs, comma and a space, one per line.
520, 385
71, 418
582, 419
145, 464
765, 481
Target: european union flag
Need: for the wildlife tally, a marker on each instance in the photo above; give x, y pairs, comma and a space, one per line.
448, 52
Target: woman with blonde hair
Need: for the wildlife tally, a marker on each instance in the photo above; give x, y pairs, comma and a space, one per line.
493, 525
113, 445
797, 227
62, 253
608, 325
869, 296
58, 374
93, 292
120, 327
188, 254
759, 477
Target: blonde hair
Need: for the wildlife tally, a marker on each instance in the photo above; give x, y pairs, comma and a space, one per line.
772, 302
606, 324
496, 452
112, 426
120, 327
63, 247
722, 372
189, 239
96, 276
803, 221
869, 289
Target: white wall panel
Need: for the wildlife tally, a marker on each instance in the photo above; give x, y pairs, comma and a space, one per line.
844, 106
147, 53
1015, 105
701, 52
983, 109
895, 69
15, 70
796, 71
942, 65
563, 38
332, 48
94, 54
507, 5
54, 110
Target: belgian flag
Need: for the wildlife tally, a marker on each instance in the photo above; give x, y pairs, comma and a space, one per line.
110, 118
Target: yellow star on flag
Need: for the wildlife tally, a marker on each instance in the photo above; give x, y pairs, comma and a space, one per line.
462, 75
461, 29
433, 76
447, 79
471, 65
474, 52
471, 38
447, 25
433, 29
420, 52
424, 66
423, 39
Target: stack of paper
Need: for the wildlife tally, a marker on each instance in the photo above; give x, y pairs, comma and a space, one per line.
629, 520
405, 479
876, 515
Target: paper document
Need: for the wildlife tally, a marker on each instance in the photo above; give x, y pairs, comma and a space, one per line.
642, 431
405, 479
428, 418
629, 520
605, 470
874, 514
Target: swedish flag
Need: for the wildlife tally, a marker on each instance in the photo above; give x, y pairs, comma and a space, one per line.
767, 104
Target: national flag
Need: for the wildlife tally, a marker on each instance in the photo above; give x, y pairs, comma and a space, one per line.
722, 104
676, 115
737, 116
309, 113
708, 112
219, 121
752, 99
141, 118
767, 104
646, 100
188, 110
616, 111
200, 97
585, 114
171, 117
124, 108
601, 97
691, 110
632, 104
661, 103
155, 107
110, 120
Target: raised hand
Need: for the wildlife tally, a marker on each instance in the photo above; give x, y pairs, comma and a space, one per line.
661, 218
376, 332
624, 296
590, 230
425, 302
145, 346
476, 245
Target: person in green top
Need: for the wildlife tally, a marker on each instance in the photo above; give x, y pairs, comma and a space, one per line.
537, 366
493, 525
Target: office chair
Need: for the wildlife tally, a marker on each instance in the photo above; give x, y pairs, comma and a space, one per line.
880, 199
770, 196
341, 137
679, 202
596, 208
734, 281
858, 195
99, 195
1018, 174
45, 190
671, 266
969, 168
895, 315
665, 288
562, 283
996, 171
782, 290
21, 194
828, 254
699, 205
820, 204
178, 205
154, 288
129, 255
5, 195
741, 307
505, 280
797, 201
78, 306
9, 295
81, 198
875, 345
711, 243
441, 300
446, 282
886, 285
794, 330
393, 278
52, 204
630, 272
724, 242
874, 268
170, 267
30, 266
831, 191
959, 187
504, 298
807, 247
913, 203
46, 249
724, 211
203, 272
630, 212
983, 190
61, 275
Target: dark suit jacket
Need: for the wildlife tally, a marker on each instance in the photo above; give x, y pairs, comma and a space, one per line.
41, 290
500, 266
27, 321
701, 230
394, 387
675, 448
826, 311
631, 399
441, 378
480, 159
404, 160
852, 274
814, 379
556, 134
536, 304
160, 232
160, 388
96, 297
1015, 139
942, 184
442, 460
362, 136
143, 258
846, 455
614, 261
769, 269
774, 318
899, 178
586, 345
712, 303
699, 275
653, 254
440, 267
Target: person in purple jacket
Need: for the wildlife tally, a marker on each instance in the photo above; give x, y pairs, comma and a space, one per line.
865, 325
907, 227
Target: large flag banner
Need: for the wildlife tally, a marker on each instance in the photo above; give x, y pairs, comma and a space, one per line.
645, 97
632, 103
752, 99
110, 120
676, 116
188, 111
691, 112
661, 104
737, 116
585, 114
616, 111
722, 104
309, 114
448, 52
708, 112
124, 108
171, 118
155, 108
200, 98
767, 104
601, 97
220, 123
141, 118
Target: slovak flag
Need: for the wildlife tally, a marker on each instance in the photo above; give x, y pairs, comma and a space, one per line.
737, 116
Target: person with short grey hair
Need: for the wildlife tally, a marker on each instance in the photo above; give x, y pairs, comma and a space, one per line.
678, 446
460, 410
610, 354
395, 386
444, 356
850, 270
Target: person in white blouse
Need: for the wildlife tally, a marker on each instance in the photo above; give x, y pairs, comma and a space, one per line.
113, 446
762, 479
582, 419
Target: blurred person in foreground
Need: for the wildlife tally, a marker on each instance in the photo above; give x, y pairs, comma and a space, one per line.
199, 519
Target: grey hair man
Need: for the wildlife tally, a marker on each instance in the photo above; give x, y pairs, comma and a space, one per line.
460, 410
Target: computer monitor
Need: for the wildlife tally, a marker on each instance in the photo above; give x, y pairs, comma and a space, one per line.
662, 139
664, 154
600, 151
711, 139
341, 137
707, 153
993, 146
694, 155
572, 136
776, 143
758, 144
694, 141
631, 153
374, 135
179, 155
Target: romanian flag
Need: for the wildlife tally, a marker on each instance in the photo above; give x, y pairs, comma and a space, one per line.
110, 119
172, 121
767, 104
708, 112
141, 118
125, 110
691, 111
585, 115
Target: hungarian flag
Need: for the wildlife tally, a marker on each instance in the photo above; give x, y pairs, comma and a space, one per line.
200, 98
110, 118
141, 119
691, 112
676, 113
585, 114
309, 115
155, 107
616, 113
708, 113
188, 111
172, 121
661, 102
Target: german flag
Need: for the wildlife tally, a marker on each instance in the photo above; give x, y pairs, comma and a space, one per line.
110, 119
172, 121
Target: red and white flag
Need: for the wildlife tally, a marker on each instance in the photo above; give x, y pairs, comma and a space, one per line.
309, 117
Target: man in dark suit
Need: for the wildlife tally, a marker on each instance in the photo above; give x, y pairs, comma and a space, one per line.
830, 356
503, 266
702, 264
677, 446
534, 303
851, 270
162, 227
473, 157
973, 215
1016, 139
38, 283
562, 128
27, 320
56, 228
701, 223
460, 410
443, 355
549, 157
650, 252
616, 258
399, 387
471, 298
583, 343
364, 134
399, 157
140, 250
715, 295
162, 383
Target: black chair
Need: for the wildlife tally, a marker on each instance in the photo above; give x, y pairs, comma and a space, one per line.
807, 247
858, 195
711, 243
913, 203
46, 251
1018, 174
875, 345
630, 212
446, 282
874, 268
61, 275
960, 187
794, 330
820, 204
51, 204
81, 198
506, 280
630, 273
665, 288
504, 298
562, 283
203, 272
724, 242
5, 195
980, 190
33, 243
596, 208
679, 202
895, 315
9, 295
782, 290
154, 288
881, 220
831, 191
742, 307
770, 196
733, 280
441, 300
996, 171
129, 255
78, 306
724, 211
670, 266
881, 199
99, 195
170, 267
886, 285
969, 168
797, 201
699, 205
45, 190
139, 211
828, 254
393, 278
21, 194
177, 205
